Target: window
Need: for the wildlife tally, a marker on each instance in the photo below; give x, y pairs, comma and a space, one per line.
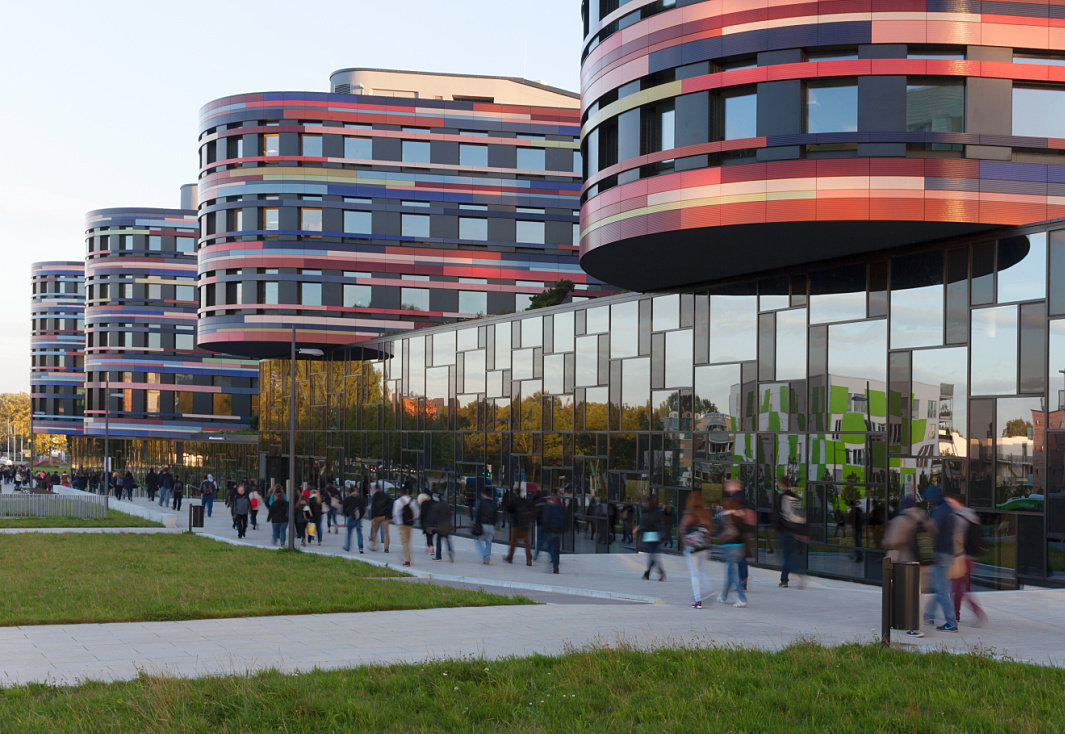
935, 106
184, 402
522, 301
473, 302
357, 296
414, 299
415, 225
740, 114
155, 340
415, 151
233, 292
185, 342
532, 159
310, 294
473, 228
311, 220
358, 148
311, 146
155, 242
185, 293
234, 220
151, 398
660, 128
1039, 112
473, 155
271, 144
221, 404
530, 232
831, 107
155, 291
267, 292
185, 244
358, 222
271, 218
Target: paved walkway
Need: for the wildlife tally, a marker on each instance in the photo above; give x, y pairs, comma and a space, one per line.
1025, 625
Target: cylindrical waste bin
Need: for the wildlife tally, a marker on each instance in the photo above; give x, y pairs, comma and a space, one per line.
906, 596
195, 516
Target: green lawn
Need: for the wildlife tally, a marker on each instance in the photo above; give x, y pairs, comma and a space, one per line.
71, 578
114, 519
804, 688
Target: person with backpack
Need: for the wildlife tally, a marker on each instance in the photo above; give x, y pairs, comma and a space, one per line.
651, 536
166, 483
968, 546
791, 526
277, 515
943, 516
380, 514
694, 532
484, 523
208, 491
405, 515
354, 508
909, 538
441, 521
554, 525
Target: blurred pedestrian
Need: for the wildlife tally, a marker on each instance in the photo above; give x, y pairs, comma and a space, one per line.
317, 510
354, 508
425, 518
650, 537
151, 484
968, 546
380, 516
733, 543
791, 527
522, 516
404, 516
694, 531
331, 502
441, 520
277, 515
943, 516
908, 538
745, 519
554, 525
166, 483
256, 504
179, 493
241, 509
485, 513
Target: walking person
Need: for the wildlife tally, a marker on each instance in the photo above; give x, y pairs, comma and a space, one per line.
943, 516
908, 538
317, 510
442, 523
790, 523
484, 525
540, 512
405, 515
256, 503
166, 484
968, 546
732, 542
354, 508
151, 484
128, 484
332, 503
208, 491
650, 536
425, 510
554, 525
380, 517
522, 517
277, 516
303, 517
241, 509
694, 530
747, 521
179, 493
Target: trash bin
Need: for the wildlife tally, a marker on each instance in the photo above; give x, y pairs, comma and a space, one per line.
195, 516
901, 598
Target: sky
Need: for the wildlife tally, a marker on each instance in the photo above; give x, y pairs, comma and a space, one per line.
98, 101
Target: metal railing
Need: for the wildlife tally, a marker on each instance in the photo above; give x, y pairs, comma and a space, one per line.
52, 505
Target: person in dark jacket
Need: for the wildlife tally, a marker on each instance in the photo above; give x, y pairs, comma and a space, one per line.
151, 484
277, 515
380, 516
353, 508
425, 517
943, 516
441, 521
241, 509
651, 535
790, 523
317, 510
128, 484
734, 489
522, 516
166, 483
179, 492
485, 515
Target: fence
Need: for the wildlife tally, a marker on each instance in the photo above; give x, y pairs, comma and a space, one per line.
52, 505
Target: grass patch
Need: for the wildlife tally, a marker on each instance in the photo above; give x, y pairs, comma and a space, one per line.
114, 519
804, 688
73, 578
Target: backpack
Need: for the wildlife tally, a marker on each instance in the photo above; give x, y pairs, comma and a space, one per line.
922, 547
556, 518
407, 513
975, 545
697, 538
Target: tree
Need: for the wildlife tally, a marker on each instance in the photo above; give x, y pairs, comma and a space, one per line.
1016, 427
552, 296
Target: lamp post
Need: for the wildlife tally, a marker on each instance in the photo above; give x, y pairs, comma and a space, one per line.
292, 436
107, 439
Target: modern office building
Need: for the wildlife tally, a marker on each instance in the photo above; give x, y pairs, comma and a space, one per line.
168, 398
57, 347
398, 200
847, 222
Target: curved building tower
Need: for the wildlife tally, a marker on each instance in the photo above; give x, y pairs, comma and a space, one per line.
724, 138
57, 346
397, 201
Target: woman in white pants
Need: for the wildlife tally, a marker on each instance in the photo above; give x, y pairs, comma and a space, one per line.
694, 529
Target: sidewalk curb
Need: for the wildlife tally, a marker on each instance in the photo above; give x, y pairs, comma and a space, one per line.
472, 580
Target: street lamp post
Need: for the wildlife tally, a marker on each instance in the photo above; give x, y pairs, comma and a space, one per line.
107, 439
292, 436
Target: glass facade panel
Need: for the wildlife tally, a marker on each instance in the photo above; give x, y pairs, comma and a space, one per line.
791, 345
358, 148
1039, 112
415, 225
414, 299
563, 332
415, 151
917, 301
935, 106
831, 107
624, 331
837, 294
733, 327
679, 359
357, 296
473, 228
1022, 268
994, 351
529, 232
358, 222
473, 155
473, 302
740, 113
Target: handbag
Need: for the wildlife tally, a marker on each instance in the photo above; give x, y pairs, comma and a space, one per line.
335, 503
476, 530
696, 538
959, 567
312, 529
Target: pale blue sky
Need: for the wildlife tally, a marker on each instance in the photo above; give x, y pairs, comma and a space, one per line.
99, 100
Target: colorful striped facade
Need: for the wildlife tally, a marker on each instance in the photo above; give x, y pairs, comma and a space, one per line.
140, 333
776, 171
57, 347
353, 215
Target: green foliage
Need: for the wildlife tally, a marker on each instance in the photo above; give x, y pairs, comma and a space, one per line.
803, 688
1016, 427
553, 296
114, 519
80, 578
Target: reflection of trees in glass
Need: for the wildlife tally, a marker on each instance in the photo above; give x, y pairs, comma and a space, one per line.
1016, 427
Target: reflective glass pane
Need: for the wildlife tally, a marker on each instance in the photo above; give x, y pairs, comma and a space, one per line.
502, 346
935, 106
467, 339
733, 328
587, 361
791, 345
635, 394
939, 415
666, 312
532, 332
994, 351
416, 366
679, 359
443, 348
837, 294
554, 374
831, 107
473, 371
917, 300
1019, 435
1022, 268
522, 368
741, 115
563, 332
1039, 112
624, 331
